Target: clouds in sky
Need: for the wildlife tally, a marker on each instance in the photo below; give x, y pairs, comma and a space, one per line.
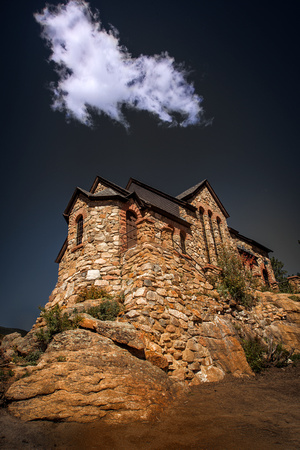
97, 74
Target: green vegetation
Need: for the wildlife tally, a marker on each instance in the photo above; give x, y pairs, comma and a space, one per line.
92, 293
5, 374
235, 280
29, 360
261, 356
281, 276
106, 310
254, 352
56, 322
295, 298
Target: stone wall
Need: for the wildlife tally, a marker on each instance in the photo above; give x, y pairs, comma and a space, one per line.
162, 279
208, 227
171, 303
96, 261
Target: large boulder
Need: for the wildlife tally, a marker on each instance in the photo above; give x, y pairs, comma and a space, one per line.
83, 377
225, 349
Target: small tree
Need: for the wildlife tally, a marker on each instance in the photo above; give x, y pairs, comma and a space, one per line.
280, 275
235, 279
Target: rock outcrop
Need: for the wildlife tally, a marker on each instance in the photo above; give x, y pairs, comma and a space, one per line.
83, 376
132, 368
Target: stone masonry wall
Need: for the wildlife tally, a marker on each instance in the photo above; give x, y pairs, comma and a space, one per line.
170, 302
208, 227
163, 280
96, 261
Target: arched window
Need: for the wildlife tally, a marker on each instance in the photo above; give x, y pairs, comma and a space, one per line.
212, 231
265, 276
201, 212
182, 242
219, 228
79, 230
131, 231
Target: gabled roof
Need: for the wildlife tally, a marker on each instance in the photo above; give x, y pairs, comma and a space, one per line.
109, 184
113, 191
156, 198
248, 240
190, 193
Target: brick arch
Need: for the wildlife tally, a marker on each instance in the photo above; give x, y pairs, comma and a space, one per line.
128, 207
202, 208
80, 212
263, 269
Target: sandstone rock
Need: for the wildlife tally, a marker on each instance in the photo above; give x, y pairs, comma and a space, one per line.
120, 332
157, 359
178, 315
286, 333
209, 374
188, 356
225, 348
83, 377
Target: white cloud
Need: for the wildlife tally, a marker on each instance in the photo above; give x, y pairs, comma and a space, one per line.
96, 72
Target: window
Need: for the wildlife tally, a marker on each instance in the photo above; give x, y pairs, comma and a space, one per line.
212, 231
201, 211
182, 242
265, 276
219, 228
131, 230
79, 230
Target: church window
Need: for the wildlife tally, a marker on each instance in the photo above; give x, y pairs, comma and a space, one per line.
79, 235
219, 228
212, 231
182, 242
131, 230
201, 212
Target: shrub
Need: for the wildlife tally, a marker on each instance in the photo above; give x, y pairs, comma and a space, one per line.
56, 322
28, 360
281, 276
106, 310
92, 293
295, 357
235, 280
261, 356
295, 298
254, 354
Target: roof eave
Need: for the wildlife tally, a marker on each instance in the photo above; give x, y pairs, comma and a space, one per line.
216, 198
163, 194
250, 241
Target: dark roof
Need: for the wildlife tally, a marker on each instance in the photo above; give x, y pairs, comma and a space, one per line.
189, 192
106, 194
193, 191
154, 197
108, 184
248, 240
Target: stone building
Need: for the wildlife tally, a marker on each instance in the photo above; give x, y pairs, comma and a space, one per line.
145, 244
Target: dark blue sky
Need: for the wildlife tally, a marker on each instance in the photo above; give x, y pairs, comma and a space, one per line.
243, 58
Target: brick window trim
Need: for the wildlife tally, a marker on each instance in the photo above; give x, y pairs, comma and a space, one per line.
207, 211
144, 219
80, 212
77, 247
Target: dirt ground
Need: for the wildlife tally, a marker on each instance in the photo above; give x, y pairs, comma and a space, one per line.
258, 413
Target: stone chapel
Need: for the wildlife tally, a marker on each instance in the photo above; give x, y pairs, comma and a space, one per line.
144, 244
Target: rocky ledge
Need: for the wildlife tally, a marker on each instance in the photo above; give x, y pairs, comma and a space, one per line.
130, 370
83, 377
